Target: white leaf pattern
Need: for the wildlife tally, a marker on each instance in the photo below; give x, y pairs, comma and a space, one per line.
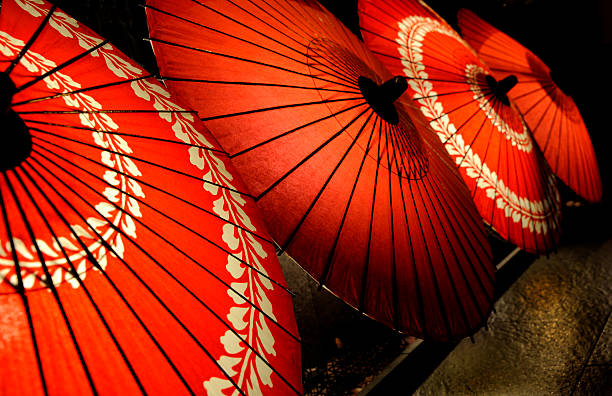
531, 214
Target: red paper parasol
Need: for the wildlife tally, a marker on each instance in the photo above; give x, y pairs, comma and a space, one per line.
481, 129
130, 262
358, 190
552, 115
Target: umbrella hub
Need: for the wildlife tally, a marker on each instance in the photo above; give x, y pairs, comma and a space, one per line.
502, 87
16, 143
381, 97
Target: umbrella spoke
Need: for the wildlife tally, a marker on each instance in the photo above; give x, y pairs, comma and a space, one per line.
48, 278
329, 261
168, 242
364, 276
76, 273
246, 150
305, 159
156, 188
32, 39
261, 84
78, 91
293, 105
191, 230
322, 189
21, 291
95, 262
135, 158
256, 62
61, 66
131, 135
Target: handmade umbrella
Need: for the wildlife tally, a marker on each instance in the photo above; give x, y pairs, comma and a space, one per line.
131, 260
354, 187
551, 115
469, 110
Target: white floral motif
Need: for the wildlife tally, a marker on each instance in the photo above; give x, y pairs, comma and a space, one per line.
522, 141
246, 369
56, 262
532, 215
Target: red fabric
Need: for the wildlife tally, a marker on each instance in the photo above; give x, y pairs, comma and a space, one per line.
512, 188
552, 115
376, 212
170, 297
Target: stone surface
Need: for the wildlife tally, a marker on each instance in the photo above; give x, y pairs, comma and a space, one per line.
540, 338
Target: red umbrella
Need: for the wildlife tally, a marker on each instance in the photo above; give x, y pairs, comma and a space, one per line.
130, 260
552, 115
359, 191
470, 111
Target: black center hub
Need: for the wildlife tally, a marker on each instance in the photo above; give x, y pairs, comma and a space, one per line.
16, 141
502, 87
381, 97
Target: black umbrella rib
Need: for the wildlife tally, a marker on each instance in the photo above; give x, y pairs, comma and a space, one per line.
544, 115
394, 281
77, 91
279, 107
260, 237
329, 261
142, 282
259, 84
366, 267
209, 52
110, 111
101, 270
199, 300
139, 159
443, 310
547, 94
443, 56
231, 35
22, 293
32, 39
244, 151
440, 95
172, 219
478, 110
453, 210
412, 260
442, 59
461, 78
531, 204
254, 30
533, 91
157, 263
506, 61
465, 123
206, 306
76, 274
49, 280
322, 189
131, 135
305, 159
60, 67
529, 73
448, 263
263, 35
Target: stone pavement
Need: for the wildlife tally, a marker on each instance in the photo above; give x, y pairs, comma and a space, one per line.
551, 333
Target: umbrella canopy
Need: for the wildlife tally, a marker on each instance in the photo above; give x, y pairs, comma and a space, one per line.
551, 115
131, 260
358, 190
480, 127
